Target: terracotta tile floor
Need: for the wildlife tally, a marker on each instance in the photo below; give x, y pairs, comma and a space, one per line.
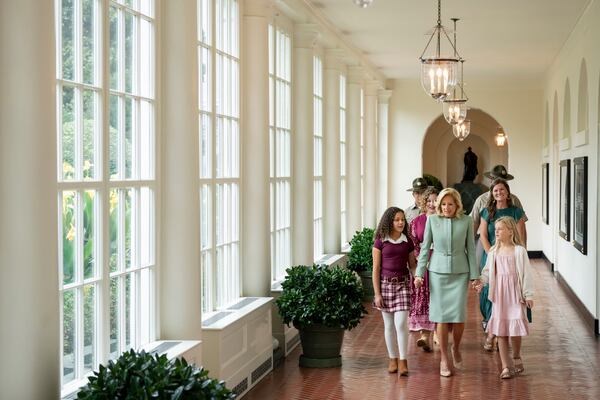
561, 357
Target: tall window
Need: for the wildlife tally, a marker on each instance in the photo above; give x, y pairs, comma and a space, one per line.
280, 111
219, 102
106, 179
362, 157
318, 155
343, 156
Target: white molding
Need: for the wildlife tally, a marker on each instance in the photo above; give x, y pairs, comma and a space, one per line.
565, 144
545, 151
580, 138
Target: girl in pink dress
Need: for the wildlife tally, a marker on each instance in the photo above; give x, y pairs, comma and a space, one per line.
507, 270
418, 317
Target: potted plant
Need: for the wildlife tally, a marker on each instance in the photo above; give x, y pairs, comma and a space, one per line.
140, 375
360, 259
322, 303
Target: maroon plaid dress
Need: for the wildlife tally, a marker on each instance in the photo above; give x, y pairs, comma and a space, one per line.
418, 318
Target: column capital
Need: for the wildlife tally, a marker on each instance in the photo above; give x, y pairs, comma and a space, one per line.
356, 74
333, 58
383, 96
258, 8
306, 35
372, 87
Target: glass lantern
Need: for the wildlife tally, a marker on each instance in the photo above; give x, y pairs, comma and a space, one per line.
439, 76
462, 129
455, 111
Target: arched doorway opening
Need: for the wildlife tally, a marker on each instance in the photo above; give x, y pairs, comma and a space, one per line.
443, 154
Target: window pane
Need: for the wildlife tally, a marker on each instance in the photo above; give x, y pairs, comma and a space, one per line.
146, 226
114, 318
91, 134
113, 229
114, 141
129, 137
68, 133
68, 45
205, 212
89, 328
129, 55
146, 153
204, 21
128, 226
129, 312
147, 7
145, 305
89, 234
146, 55
205, 146
69, 236
113, 44
89, 41
204, 80
68, 358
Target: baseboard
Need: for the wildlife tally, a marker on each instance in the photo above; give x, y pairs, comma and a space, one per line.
535, 254
587, 316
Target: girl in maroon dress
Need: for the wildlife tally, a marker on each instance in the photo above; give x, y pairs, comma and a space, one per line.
392, 257
418, 318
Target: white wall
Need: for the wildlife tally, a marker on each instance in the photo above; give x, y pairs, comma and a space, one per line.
518, 110
580, 271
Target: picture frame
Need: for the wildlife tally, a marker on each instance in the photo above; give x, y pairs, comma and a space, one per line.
564, 199
545, 193
580, 196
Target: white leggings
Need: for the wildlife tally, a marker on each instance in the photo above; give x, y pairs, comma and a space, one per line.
397, 321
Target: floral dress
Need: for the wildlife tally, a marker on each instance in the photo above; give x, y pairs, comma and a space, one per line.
418, 317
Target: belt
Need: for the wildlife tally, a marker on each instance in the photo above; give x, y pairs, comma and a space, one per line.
395, 279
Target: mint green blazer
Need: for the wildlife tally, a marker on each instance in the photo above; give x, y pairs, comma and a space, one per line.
453, 246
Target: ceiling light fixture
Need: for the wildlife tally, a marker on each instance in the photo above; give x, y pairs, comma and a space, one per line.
439, 73
363, 3
455, 107
462, 129
500, 137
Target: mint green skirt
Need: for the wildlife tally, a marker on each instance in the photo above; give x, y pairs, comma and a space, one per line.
448, 297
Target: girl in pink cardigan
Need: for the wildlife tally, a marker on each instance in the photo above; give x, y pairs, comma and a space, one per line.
507, 271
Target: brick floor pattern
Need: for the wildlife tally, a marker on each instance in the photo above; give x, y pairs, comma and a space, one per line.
561, 358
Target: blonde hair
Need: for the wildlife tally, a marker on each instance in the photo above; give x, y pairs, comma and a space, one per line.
511, 225
455, 195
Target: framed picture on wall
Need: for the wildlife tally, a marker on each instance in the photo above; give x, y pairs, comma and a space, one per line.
565, 199
545, 192
580, 194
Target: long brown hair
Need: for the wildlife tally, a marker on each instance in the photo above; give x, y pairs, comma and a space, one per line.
386, 223
491, 204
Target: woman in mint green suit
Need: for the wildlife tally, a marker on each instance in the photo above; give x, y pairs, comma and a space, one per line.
451, 265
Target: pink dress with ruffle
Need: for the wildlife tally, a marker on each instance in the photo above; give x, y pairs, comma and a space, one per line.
509, 316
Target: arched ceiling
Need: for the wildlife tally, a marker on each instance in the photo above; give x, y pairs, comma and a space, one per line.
511, 39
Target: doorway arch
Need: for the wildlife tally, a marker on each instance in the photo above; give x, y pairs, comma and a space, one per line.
443, 153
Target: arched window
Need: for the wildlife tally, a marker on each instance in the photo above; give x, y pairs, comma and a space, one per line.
582, 99
567, 111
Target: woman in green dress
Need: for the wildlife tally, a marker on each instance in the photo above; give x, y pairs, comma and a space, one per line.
500, 204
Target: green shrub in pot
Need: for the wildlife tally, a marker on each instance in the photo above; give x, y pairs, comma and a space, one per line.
360, 257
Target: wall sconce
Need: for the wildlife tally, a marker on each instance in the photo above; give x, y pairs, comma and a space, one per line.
500, 137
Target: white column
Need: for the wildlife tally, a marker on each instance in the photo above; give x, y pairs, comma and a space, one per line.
29, 298
382, 150
180, 280
332, 229
353, 192
305, 36
370, 195
255, 194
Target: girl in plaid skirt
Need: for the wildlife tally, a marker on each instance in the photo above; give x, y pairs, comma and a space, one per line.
392, 257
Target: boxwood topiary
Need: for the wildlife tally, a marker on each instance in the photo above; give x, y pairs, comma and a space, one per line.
320, 295
140, 375
360, 257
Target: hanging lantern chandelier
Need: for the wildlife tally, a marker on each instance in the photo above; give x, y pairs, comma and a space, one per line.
439, 73
363, 3
462, 129
455, 106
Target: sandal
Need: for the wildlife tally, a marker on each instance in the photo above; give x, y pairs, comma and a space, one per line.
489, 344
444, 370
518, 365
423, 342
506, 373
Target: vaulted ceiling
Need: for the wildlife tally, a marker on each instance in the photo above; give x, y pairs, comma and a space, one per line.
510, 39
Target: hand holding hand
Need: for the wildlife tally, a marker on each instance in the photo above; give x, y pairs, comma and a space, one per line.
418, 281
477, 285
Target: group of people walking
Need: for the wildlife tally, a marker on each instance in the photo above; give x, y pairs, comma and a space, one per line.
425, 259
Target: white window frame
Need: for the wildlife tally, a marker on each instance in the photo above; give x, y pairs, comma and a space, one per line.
318, 156
280, 140
141, 183
218, 42
343, 158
